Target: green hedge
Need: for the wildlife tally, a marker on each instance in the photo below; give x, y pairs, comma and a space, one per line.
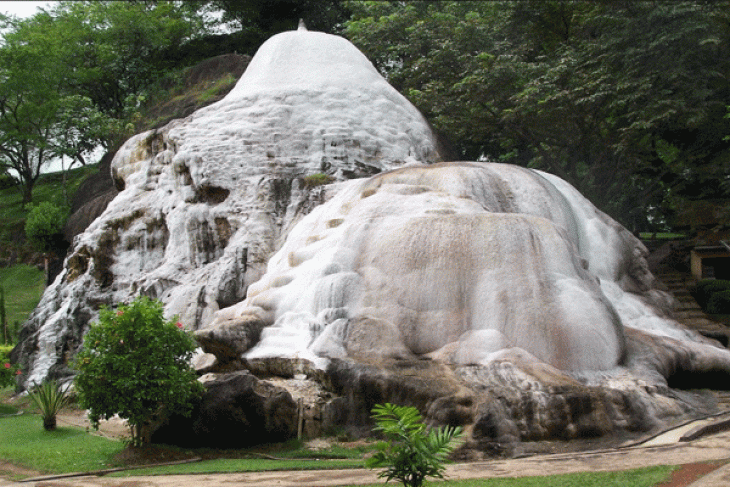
714, 295
719, 303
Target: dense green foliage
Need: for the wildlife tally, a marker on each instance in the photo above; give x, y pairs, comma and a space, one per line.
624, 100
713, 295
136, 364
705, 290
72, 78
628, 101
412, 452
719, 303
257, 20
44, 226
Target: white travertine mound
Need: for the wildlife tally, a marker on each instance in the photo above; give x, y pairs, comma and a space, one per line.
488, 295
457, 261
206, 199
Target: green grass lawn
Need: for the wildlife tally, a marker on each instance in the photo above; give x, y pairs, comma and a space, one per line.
230, 465
661, 236
644, 477
23, 441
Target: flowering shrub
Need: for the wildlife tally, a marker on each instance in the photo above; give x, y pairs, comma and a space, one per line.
136, 364
8, 370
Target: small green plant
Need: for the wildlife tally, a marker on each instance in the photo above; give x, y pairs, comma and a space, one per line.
50, 397
136, 364
319, 179
412, 452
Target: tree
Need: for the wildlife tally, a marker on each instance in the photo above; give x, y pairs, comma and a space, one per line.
79, 130
624, 100
30, 85
136, 364
114, 48
71, 78
44, 229
44, 226
412, 452
260, 19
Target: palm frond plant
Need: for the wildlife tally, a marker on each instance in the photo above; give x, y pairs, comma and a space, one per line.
50, 397
412, 451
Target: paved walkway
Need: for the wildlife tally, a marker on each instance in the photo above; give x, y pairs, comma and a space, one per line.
661, 451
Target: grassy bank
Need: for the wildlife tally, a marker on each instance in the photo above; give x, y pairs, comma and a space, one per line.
23, 286
23, 282
51, 188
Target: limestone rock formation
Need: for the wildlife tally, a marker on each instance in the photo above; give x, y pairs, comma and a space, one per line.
488, 295
236, 410
457, 261
205, 200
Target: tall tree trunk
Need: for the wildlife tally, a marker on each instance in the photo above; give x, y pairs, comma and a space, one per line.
27, 188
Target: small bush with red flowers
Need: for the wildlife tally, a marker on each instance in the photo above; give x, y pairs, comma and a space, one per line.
8, 370
136, 364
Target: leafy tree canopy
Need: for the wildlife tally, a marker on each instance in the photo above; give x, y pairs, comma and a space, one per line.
625, 100
72, 77
264, 18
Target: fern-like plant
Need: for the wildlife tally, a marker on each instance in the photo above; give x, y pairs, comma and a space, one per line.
413, 451
50, 397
